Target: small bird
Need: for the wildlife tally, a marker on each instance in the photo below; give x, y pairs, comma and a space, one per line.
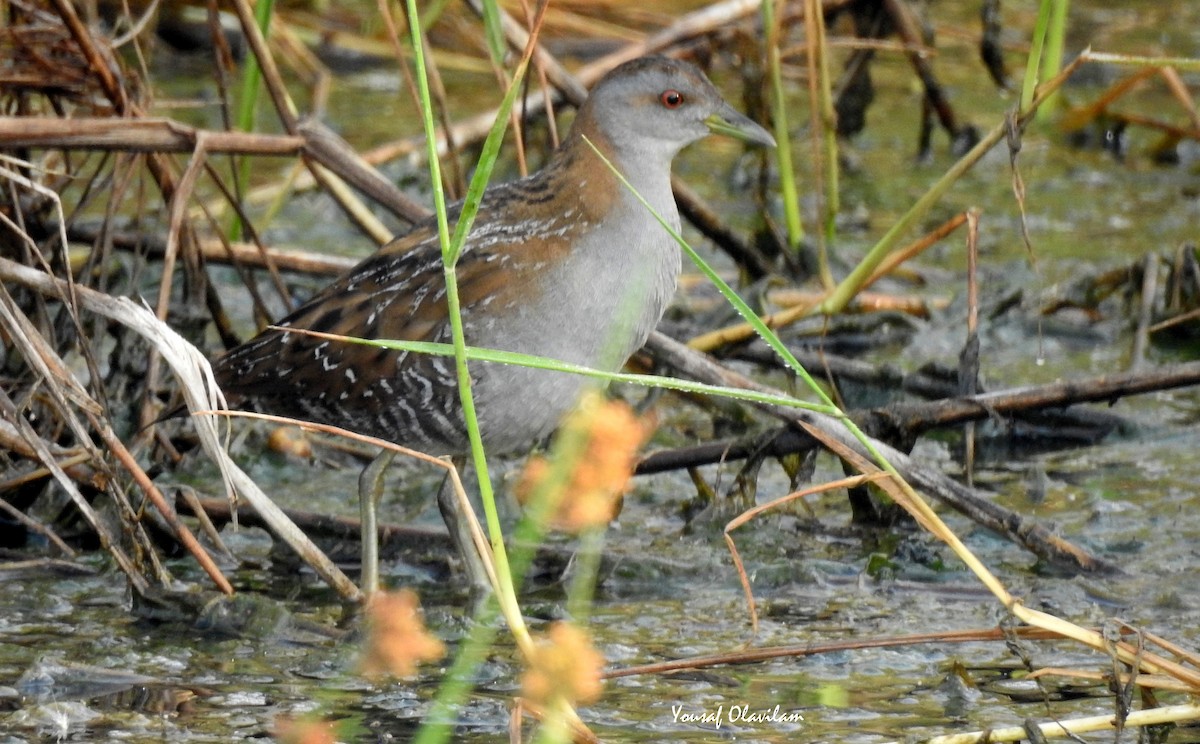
565, 263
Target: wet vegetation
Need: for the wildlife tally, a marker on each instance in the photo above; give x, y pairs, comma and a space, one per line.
913, 454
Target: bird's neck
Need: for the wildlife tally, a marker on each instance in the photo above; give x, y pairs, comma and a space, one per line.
589, 157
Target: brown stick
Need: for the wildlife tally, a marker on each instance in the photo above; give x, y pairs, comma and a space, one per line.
182, 533
1105, 388
755, 655
115, 92
215, 251
908, 29
107, 540
36, 527
136, 135
318, 525
936, 484
122, 310
284, 110
909, 419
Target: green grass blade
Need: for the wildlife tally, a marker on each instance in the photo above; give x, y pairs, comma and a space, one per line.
1037, 44
487, 162
1055, 40
765, 333
480, 354
789, 193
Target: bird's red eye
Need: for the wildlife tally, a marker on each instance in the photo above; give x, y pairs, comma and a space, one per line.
671, 99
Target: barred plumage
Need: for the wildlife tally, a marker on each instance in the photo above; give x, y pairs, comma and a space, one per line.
565, 264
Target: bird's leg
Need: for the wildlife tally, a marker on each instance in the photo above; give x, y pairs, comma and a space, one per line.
459, 525
370, 489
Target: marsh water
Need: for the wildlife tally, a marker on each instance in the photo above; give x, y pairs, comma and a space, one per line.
79, 662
